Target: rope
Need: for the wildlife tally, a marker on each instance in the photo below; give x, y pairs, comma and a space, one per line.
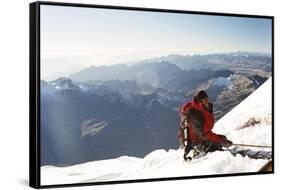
251, 145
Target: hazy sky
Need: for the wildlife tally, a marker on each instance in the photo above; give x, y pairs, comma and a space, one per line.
73, 37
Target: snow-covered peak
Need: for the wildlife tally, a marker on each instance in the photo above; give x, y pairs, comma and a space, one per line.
54, 86
64, 83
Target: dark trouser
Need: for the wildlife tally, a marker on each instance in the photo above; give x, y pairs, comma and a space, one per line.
207, 146
203, 146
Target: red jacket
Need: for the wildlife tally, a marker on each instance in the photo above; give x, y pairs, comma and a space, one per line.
208, 123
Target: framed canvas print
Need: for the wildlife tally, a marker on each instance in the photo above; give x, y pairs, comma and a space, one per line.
126, 94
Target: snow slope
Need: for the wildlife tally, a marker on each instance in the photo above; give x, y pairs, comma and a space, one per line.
258, 106
162, 163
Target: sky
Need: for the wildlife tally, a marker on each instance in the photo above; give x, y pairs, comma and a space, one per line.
74, 37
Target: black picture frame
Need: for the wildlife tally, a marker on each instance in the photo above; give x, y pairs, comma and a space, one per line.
34, 92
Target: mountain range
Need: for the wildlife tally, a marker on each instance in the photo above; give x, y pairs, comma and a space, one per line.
108, 111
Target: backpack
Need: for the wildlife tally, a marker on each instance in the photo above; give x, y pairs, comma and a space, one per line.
183, 133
